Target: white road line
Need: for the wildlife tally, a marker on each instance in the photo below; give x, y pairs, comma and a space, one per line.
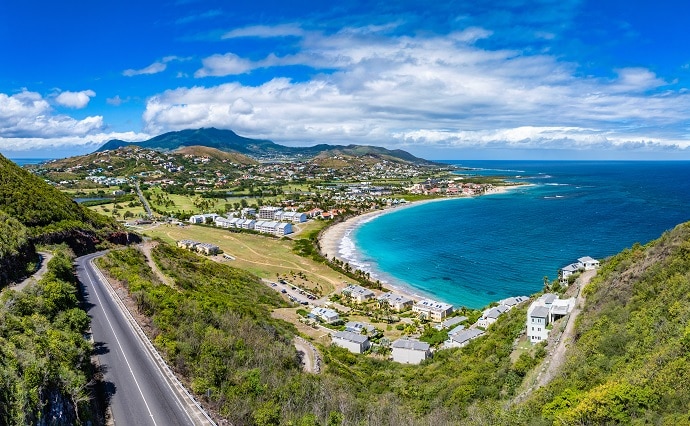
167, 375
88, 275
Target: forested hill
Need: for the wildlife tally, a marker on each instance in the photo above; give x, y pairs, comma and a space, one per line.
34, 212
630, 363
229, 141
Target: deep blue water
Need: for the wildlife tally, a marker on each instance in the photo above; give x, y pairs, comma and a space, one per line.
25, 161
473, 251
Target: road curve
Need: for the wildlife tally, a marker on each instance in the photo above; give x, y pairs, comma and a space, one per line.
139, 385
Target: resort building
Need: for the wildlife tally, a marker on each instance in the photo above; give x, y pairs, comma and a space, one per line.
397, 302
358, 293
294, 217
204, 248
187, 244
269, 212
326, 315
450, 322
544, 311
432, 310
408, 351
567, 271
491, 315
353, 342
463, 337
202, 218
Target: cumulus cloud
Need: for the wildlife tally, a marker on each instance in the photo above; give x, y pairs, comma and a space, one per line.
116, 100
369, 87
222, 65
28, 114
75, 100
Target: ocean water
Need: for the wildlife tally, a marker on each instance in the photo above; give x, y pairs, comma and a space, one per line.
472, 251
26, 161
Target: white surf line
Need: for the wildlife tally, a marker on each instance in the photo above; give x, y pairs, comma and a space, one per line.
122, 350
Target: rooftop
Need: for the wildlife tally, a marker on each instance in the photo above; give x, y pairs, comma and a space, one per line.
414, 345
350, 336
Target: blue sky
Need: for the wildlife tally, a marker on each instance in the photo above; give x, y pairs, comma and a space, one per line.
500, 79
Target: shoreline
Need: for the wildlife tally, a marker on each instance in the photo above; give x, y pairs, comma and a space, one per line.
333, 236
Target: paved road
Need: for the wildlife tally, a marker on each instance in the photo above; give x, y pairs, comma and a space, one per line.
144, 202
140, 391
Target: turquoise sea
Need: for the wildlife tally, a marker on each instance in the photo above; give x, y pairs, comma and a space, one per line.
472, 251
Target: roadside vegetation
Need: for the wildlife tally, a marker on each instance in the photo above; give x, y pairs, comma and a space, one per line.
45, 364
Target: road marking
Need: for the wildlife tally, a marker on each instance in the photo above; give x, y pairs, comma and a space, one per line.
88, 275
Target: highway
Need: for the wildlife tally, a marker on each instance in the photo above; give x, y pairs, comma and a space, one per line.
142, 390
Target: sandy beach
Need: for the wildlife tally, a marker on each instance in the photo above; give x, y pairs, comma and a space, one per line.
331, 239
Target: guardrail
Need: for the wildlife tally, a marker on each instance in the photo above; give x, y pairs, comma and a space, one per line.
201, 415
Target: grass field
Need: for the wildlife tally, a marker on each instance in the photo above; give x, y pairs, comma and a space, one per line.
264, 256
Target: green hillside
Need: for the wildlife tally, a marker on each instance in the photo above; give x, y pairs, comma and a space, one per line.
628, 364
630, 361
34, 212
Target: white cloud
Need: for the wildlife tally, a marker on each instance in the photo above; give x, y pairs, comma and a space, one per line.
9, 145
442, 90
76, 100
154, 68
264, 31
116, 100
222, 65
28, 114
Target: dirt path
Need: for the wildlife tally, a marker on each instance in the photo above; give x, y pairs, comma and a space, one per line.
553, 362
146, 248
36, 276
311, 360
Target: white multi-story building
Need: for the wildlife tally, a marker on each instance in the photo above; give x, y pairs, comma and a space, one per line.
269, 212
544, 311
358, 293
397, 302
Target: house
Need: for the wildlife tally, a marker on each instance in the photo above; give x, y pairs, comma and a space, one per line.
326, 315
567, 271
187, 244
537, 320
432, 310
456, 330
408, 351
396, 302
511, 302
458, 340
223, 222
207, 249
450, 322
491, 315
202, 218
560, 308
283, 228
357, 327
588, 263
118, 192
353, 342
358, 293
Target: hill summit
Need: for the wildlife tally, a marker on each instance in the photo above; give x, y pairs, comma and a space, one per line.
229, 141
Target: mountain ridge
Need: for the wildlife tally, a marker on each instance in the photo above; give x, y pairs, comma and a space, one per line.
229, 141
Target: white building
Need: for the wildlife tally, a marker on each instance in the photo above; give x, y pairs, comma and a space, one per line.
294, 217
537, 320
544, 311
357, 327
490, 316
511, 302
201, 218
358, 293
397, 302
353, 342
409, 351
326, 315
567, 271
588, 263
432, 310
463, 337
269, 212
